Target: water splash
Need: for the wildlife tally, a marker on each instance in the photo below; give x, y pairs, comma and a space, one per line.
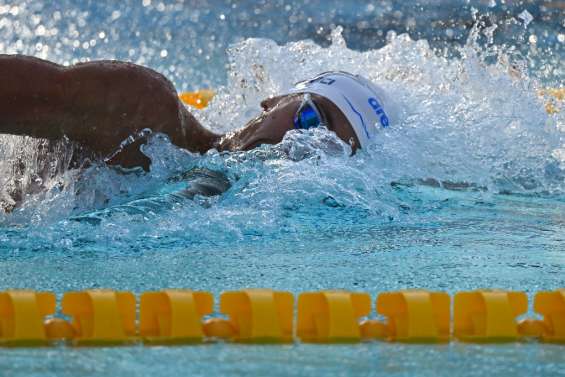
421, 208
467, 122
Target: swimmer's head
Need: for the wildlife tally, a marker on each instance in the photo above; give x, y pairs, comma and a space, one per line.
350, 105
363, 103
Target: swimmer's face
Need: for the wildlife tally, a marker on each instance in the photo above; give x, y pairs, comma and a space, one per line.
277, 119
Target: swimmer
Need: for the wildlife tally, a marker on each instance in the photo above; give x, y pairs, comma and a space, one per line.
110, 108
101, 104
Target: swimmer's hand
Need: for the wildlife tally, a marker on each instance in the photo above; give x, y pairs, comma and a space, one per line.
203, 182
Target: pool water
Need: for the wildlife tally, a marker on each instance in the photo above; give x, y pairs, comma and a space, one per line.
466, 191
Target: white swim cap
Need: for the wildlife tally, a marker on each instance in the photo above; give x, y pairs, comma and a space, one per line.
362, 102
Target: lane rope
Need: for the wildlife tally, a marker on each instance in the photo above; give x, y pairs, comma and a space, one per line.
177, 316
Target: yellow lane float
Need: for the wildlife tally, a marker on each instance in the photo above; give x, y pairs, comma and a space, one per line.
22, 316
416, 316
554, 99
254, 316
552, 306
174, 316
331, 316
488, 316
198, 99
101, 317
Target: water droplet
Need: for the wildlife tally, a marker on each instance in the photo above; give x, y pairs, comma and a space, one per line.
40, 31
526, 17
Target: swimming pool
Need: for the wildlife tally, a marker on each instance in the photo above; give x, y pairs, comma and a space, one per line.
467, 193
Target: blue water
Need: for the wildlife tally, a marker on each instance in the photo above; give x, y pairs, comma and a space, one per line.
466, 192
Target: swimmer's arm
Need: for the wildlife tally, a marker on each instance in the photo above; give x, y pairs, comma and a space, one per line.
97, 105
201, 182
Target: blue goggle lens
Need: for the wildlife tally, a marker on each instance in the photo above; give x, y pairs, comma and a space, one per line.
306, 118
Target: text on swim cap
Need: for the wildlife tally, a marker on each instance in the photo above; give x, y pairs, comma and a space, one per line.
326, 81
373, 102
379, 111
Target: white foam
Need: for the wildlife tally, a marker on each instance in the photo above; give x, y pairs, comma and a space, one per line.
463, 121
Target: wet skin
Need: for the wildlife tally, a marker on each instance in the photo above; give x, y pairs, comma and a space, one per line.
277, 119
100, 104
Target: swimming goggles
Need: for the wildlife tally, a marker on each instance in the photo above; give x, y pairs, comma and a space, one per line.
309, 115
